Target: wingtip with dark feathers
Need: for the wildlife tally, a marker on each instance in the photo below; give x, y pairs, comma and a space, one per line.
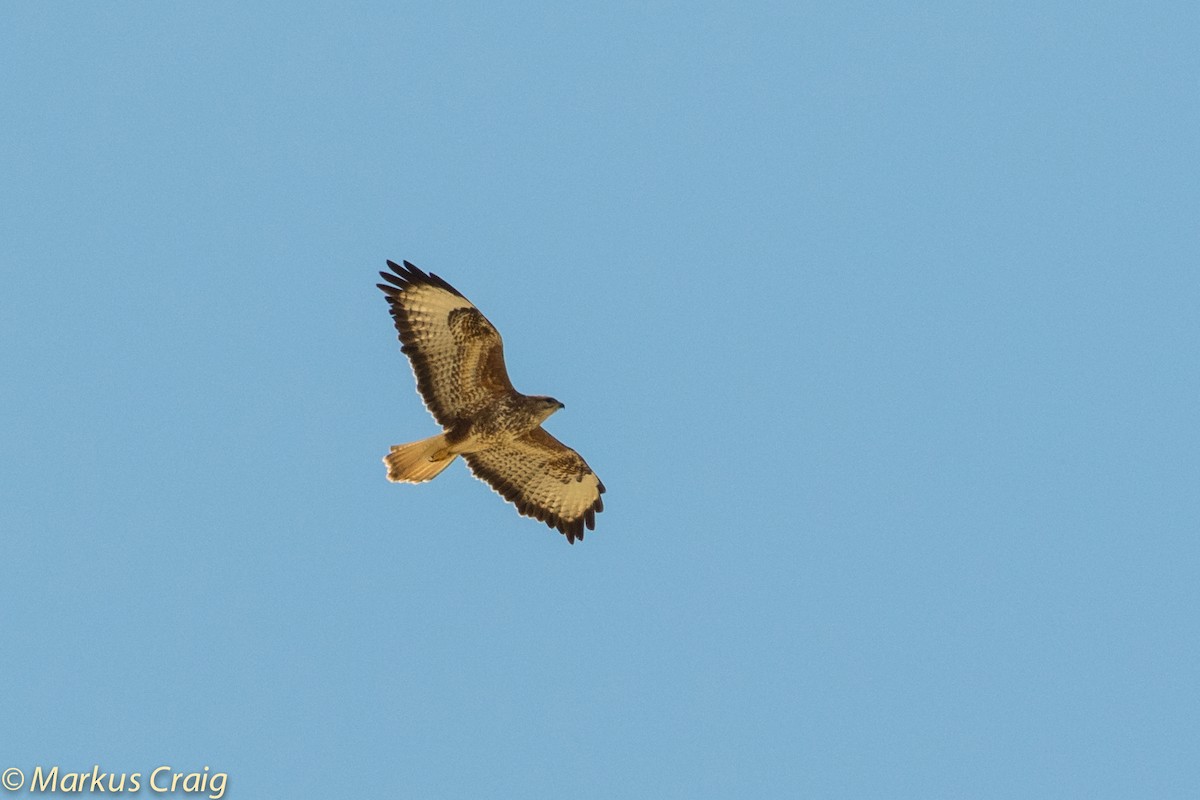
572, 529
403, 276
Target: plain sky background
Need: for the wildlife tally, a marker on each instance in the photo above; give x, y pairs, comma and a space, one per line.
878, 320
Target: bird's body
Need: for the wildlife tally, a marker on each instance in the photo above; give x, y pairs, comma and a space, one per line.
458, 359
506, 418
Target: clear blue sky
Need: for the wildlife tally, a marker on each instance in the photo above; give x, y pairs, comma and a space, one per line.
878, 320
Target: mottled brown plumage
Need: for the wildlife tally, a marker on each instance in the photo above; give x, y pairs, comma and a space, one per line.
458, 360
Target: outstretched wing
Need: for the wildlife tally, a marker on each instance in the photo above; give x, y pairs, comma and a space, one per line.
544, 479
456, 354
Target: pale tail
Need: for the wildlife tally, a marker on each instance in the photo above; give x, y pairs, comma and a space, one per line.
411, 462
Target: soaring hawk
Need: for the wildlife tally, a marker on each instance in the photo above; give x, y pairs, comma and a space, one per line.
458, 360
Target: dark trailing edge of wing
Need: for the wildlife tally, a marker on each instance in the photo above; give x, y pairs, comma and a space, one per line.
572, 529
404, 277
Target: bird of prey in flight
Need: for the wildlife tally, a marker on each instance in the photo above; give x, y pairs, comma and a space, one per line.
458, 360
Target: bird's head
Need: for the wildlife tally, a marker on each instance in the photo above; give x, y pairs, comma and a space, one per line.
547, 405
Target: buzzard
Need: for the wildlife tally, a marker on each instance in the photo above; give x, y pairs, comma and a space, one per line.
458, 360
